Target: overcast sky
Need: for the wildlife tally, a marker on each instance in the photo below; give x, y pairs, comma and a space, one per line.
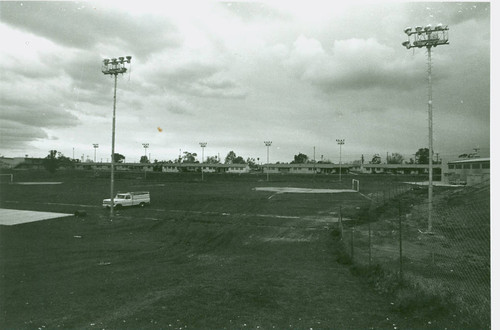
234, 74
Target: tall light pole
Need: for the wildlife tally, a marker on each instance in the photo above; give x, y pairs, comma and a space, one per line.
268, 144
114, 67
145, 146
202, 145
96, 145
428, 37
340, 142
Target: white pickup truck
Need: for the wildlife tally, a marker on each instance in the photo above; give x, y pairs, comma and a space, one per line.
140, 198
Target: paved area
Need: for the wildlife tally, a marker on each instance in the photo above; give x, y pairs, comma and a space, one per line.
303, 190
435, 184
10, 217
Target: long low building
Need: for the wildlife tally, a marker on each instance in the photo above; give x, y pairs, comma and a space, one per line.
329, 168
462, 171
468, 171
167, 167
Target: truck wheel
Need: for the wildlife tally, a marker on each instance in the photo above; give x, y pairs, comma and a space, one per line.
142, 204
118, 206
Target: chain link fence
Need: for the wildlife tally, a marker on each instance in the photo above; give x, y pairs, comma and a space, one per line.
452, 261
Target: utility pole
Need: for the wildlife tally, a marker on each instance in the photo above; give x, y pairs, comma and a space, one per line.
428, 37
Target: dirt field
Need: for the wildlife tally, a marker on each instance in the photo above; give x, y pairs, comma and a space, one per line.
214, 254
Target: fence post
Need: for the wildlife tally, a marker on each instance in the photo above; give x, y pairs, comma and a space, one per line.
400, 244
369, 243
352, 243
341, 226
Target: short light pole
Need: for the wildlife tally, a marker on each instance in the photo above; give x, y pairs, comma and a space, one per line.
114, 67
428, 37
96, 145
146, 160
268, 144
202, 145
340, 142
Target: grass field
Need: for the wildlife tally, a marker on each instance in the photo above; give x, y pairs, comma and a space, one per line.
212, 254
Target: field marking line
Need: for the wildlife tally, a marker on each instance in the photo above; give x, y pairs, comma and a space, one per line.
273, 195
48, 203
365, 196
36, 183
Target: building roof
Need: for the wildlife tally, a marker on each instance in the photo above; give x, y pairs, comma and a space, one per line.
470, 160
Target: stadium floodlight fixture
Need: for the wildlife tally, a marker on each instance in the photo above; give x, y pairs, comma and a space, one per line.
202, 145
96, 145
430, 37
112, 67
268, 144
145, 146
340, 142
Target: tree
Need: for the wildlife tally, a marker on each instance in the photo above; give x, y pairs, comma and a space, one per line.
118, 158
252, 163
212, 160
64, 161
376, 159
189, 157
144, 160
239, 160
50, 162
230, 157
395, 158
300, 159
422, 156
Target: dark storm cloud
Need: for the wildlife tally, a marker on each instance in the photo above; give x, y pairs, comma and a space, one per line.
82, 25
28, 69
15, 135
39, 113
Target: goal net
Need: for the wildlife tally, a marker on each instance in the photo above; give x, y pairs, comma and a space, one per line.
6, 178
355, 184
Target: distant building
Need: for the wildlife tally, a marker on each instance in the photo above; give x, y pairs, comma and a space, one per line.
8, 162
468, 171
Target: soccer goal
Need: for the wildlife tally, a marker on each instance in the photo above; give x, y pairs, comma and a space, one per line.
355, 185
6, 178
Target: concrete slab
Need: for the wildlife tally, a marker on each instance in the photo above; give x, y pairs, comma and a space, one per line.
281, 190
10, 217
435, 184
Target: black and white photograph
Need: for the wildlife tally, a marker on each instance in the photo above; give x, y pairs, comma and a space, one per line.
246, 164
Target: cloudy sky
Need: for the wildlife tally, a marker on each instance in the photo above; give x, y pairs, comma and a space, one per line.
234, 74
